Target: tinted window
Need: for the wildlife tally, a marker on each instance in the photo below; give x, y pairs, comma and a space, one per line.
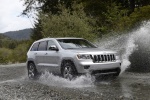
35, 47
42, 46
50, 43
75, 43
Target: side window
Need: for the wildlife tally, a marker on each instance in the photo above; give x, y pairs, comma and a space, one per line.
35, 47
42, 46
50, 43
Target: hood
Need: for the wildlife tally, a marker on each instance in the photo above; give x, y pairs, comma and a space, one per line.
92, 51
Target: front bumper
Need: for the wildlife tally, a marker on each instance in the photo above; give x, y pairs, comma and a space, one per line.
99, 68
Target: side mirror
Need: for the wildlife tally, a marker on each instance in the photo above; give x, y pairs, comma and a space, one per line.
53, 47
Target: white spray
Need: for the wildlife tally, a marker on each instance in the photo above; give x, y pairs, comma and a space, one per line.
140, 37
129, 49
126, 44
79, 82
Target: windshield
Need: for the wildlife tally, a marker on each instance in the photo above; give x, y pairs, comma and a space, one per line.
75, 43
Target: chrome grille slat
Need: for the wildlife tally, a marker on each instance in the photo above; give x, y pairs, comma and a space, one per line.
108, 57
103, 58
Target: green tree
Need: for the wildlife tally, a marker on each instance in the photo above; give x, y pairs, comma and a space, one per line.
37, 32
44, 6
68, 24
109, 16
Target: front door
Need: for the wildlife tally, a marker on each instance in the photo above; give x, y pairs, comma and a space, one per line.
52, 58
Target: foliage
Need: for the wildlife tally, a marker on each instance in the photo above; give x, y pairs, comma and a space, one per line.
67, 24
140, 14
6, 42
127, 23
19, 53
108, 22
45, 5
37, 31
5, 55
111, 16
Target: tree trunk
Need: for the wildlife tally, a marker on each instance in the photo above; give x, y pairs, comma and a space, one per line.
132, 5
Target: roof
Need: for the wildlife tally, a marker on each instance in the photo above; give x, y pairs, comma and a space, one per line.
69, 38
58, 38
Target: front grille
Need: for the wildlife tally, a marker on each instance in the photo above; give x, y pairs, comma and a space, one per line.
103, 58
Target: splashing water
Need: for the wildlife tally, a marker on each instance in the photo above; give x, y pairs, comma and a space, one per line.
129, 49
52, 80
138, 41
123, 44
127, 44
140, 59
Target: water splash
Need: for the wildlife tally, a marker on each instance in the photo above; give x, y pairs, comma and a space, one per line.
138, 48
52, 80
129, 45
123, 44
140, 59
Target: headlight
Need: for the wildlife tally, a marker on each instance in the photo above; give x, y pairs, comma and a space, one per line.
83, 56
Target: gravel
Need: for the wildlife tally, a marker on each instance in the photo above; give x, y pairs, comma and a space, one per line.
15, 85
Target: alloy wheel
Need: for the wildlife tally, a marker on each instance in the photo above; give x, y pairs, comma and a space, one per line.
31, 71
68, 73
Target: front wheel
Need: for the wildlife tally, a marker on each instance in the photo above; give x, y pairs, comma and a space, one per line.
68, 70
32, 72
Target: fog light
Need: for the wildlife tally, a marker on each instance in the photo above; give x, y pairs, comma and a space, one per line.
86, 67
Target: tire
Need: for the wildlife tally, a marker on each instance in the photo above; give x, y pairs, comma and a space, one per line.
32, 72
68, 70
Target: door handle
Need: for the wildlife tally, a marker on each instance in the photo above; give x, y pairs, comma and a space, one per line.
35, 53
46, 53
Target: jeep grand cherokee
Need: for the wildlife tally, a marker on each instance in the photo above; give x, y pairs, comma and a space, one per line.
70, 57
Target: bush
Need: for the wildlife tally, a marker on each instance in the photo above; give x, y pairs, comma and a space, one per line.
140, 14
5, 55
67, 24
19, 53
127, 23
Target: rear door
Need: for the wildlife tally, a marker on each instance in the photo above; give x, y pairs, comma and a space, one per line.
34, 51
40, 56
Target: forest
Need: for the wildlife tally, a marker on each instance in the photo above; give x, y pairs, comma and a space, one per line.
89, 19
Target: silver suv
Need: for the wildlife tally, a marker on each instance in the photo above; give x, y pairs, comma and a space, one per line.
70, 57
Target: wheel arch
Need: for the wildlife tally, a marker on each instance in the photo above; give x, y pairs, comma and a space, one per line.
67, 60
30, 61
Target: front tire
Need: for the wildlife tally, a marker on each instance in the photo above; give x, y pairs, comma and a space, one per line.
32, 72
68, 70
